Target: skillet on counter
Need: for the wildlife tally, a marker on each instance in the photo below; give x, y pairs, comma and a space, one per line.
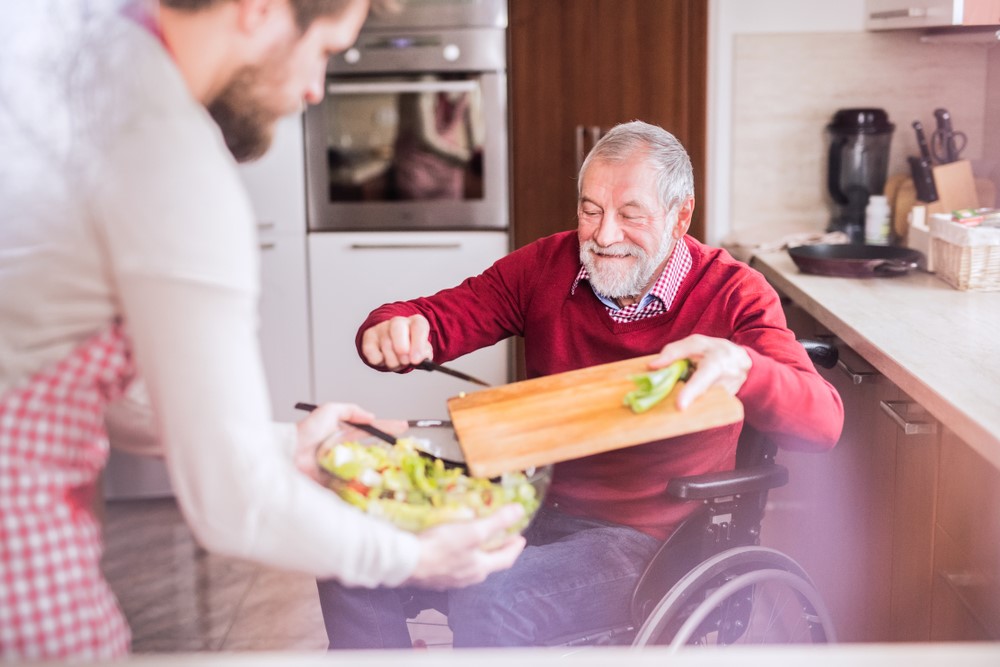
856, 261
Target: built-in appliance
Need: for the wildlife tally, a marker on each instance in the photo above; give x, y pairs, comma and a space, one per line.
857, 165
413, 130
407, 181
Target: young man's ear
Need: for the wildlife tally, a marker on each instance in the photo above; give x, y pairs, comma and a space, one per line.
252, 14
684, 214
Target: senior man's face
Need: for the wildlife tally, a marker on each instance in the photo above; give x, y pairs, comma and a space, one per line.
625, 233
291, 71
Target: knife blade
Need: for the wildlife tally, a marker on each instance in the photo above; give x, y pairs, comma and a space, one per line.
429, 365
429, 423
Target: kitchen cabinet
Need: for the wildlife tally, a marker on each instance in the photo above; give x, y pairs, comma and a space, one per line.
859, 518
284, 323
393, 266
895, 14
577, 68
276, 185
966, 583
934, 527
276, 182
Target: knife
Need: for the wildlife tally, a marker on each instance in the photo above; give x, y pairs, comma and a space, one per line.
925, 150
920, 168
429, 365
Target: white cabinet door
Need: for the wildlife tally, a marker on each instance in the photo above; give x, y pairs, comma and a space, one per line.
277, 183
351, 274
284, 322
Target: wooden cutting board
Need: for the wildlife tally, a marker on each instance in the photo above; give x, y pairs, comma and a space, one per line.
573, 414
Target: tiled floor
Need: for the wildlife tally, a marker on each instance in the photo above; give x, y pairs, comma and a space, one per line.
177, 597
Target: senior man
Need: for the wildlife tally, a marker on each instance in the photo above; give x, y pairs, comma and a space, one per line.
628, 282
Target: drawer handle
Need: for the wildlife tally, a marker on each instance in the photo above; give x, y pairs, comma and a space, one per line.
262, 226
267, 246
907, 13
894, 410
405, 246
857, 377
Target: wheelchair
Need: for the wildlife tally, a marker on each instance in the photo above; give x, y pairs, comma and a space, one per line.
711, 583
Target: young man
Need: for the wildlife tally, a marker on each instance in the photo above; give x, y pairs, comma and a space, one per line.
628, 282
128, 247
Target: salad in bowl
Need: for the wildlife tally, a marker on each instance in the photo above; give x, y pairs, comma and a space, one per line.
414, 490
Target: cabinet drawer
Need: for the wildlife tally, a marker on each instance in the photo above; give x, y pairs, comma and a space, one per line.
967, 542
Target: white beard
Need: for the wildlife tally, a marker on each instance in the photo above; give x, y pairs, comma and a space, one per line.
617, 279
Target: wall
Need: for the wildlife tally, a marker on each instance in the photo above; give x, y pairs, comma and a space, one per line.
991, 138
727, 19
778, 69
779, 145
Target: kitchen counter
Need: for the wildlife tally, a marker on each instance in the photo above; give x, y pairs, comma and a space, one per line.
858, 655
937, 344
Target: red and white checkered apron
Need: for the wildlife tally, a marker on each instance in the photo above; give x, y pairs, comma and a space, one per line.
54, 601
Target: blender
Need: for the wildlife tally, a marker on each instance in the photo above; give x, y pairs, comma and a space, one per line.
857, 166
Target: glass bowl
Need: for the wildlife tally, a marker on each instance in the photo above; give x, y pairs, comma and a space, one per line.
414, 490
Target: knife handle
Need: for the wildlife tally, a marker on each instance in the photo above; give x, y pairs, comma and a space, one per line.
925, 150
923, 179
943, 119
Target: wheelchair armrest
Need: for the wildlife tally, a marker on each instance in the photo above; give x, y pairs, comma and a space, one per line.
729, 482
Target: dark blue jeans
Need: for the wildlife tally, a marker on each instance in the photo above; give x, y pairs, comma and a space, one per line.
576, 575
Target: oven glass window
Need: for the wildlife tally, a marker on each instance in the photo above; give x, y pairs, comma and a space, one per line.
405, 138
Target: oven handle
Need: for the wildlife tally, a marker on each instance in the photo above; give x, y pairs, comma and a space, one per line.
401, 87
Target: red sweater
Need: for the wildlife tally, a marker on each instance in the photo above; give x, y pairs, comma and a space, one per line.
527, 293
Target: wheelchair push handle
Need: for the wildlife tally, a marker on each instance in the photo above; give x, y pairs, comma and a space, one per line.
821, 353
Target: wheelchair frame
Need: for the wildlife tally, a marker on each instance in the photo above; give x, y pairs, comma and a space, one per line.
700, 586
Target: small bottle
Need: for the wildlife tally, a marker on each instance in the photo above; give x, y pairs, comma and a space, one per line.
877, 223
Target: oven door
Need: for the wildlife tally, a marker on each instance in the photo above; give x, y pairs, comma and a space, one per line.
439, 14
409, 151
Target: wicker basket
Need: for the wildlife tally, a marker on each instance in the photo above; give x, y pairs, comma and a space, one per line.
967, 258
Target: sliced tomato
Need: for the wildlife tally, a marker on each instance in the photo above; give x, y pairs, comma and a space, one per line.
357, 486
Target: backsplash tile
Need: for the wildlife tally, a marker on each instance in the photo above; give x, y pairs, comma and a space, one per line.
786, 89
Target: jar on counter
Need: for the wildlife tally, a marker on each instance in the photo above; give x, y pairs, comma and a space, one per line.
878, 220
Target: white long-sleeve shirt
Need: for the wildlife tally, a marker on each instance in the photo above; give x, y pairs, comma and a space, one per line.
118, 198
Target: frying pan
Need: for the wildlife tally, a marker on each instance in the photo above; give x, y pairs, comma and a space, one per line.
855, 261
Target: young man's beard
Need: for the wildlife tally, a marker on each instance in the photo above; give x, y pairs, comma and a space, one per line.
247, 126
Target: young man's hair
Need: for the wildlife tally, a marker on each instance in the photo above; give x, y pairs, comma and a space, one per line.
306, 11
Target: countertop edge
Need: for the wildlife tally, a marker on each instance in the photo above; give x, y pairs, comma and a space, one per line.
951, 416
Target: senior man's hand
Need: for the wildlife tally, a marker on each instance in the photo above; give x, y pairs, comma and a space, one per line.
398, 342
719, 361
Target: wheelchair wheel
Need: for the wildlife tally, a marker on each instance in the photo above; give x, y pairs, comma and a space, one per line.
746, 595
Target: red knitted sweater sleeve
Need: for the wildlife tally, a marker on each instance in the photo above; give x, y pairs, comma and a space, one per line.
783, 395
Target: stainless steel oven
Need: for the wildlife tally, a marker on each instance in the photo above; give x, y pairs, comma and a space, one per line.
412, 133
407, 180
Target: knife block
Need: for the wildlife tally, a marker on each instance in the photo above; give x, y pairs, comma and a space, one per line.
952, 183
956, 187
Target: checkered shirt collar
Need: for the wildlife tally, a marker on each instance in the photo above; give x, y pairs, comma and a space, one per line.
663, 292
